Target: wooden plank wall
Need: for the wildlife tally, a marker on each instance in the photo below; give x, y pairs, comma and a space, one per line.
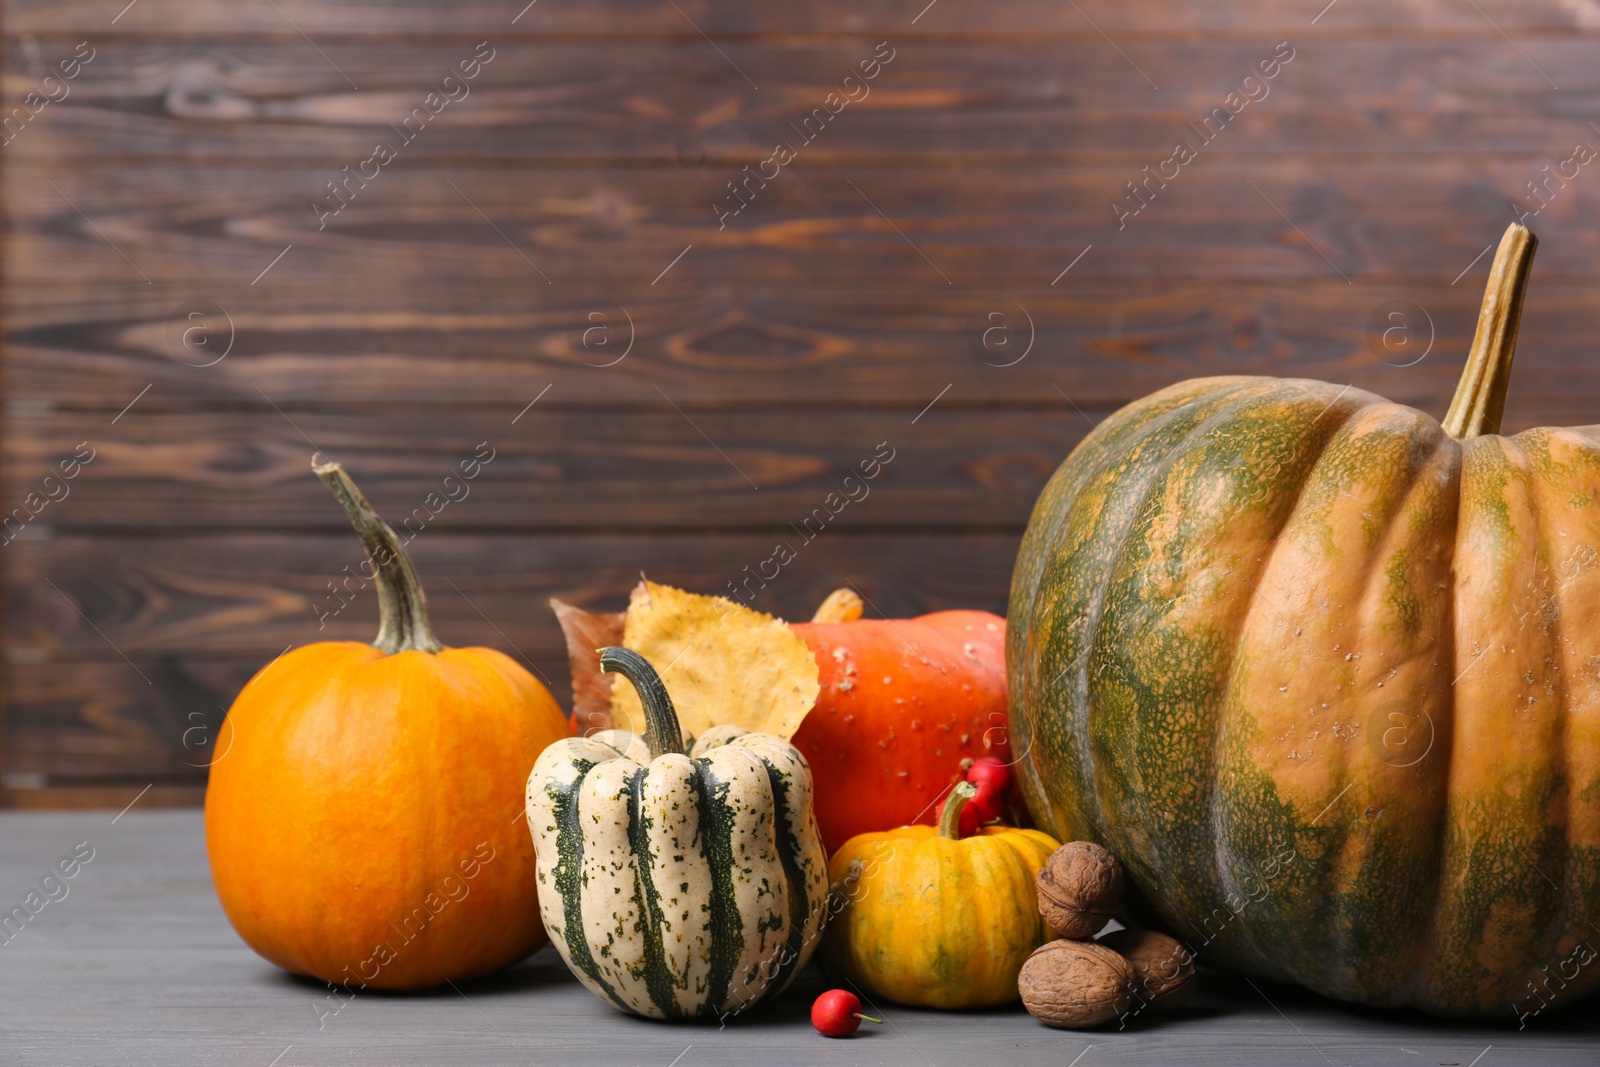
177, 308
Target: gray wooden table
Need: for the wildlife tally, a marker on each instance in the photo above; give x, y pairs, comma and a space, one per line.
136, 967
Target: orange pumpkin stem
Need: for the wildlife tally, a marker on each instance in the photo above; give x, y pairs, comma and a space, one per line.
402, 606
1480, 398
950, 817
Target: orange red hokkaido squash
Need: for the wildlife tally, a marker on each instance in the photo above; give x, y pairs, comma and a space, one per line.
906, 705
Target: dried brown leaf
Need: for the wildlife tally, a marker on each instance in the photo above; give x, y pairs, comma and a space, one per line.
586, 632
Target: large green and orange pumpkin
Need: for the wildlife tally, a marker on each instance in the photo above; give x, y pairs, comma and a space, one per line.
1325, 674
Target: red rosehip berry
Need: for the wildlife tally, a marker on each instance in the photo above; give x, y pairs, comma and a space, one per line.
984, 806
987, 769
837, 1013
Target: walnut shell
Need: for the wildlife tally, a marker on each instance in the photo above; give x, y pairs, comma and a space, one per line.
1074, 985
1163, 968
1080, 890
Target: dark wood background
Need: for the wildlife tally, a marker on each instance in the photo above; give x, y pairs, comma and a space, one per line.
773, 356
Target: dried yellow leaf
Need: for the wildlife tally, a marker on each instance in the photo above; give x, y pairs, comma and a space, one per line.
586, 632
723, 663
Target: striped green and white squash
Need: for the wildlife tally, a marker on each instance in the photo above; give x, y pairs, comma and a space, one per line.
677, 885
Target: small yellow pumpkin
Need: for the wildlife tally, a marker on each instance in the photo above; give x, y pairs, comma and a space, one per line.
936, 920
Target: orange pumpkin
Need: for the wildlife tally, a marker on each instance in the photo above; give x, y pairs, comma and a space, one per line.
364, 821
906, 705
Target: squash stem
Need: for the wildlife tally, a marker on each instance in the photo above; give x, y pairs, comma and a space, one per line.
662, 733
950, 818
843, 891
842, 605
402, 606
1480, 398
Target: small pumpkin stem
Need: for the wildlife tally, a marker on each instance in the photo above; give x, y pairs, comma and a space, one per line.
1480, 398
950, 818
842, 893
662, 733
402, 606
842, 605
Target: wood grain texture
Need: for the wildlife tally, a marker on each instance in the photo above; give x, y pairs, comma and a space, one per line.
34, 792
554, 469
609, 233
124, 653
391, 18
740, 345
190, 594
1016, 226
140, 946
1014, 98
881, 287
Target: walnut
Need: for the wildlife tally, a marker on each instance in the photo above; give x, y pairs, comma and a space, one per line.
1075, 984
1080, 890
1163, 968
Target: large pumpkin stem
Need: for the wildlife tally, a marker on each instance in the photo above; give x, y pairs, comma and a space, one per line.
662, 732
402, 607
1480, 397
950, 818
